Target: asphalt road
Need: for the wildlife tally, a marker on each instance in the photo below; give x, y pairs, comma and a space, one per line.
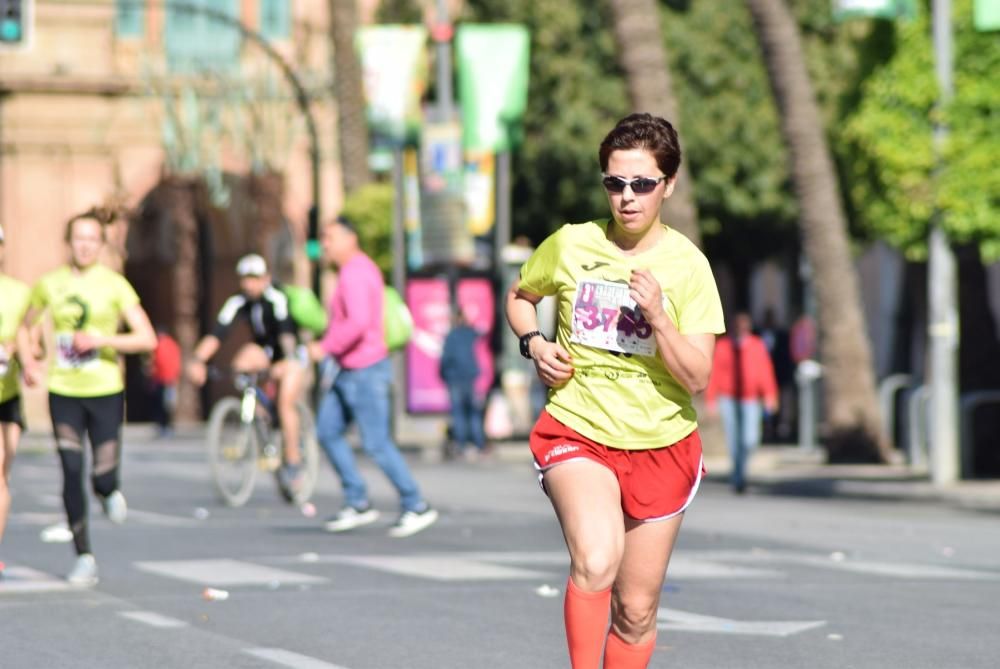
766, 580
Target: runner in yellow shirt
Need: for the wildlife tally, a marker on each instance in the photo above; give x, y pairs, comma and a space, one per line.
617, 446
12, 307
87, 302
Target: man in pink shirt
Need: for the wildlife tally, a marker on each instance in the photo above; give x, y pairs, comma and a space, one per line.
355, 339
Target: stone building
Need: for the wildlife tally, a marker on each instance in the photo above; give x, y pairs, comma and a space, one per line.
114, 100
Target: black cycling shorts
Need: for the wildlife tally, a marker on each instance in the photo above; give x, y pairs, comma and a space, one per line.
10, 411
100, 418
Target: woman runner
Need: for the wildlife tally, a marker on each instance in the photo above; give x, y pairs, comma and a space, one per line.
617, 446
87, 303
12, 305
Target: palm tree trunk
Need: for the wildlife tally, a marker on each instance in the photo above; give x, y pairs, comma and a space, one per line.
179, 198
853, 427
647, 75
352, 125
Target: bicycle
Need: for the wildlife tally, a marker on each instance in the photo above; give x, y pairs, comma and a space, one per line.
244, 437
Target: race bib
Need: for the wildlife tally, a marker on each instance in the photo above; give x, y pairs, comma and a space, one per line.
604, 316
67, 357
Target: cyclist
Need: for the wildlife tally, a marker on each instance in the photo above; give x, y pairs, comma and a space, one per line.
265, 308
12, 308
87, 303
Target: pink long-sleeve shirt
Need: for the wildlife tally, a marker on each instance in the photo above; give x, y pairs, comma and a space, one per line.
355, 335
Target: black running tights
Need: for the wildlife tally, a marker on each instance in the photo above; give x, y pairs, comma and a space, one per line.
100, 419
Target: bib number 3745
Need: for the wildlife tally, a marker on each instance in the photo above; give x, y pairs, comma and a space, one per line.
604, 316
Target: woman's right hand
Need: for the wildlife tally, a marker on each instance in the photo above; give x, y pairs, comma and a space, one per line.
31, 372
197, 372
552, 362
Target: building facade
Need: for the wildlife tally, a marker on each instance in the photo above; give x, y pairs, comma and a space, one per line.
113, 97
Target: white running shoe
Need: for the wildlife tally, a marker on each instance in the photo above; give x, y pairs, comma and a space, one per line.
115, 507
349, 518
411, 522
84, 572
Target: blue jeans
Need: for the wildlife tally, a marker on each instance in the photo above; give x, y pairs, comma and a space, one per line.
466, 415
362, 395
743, 435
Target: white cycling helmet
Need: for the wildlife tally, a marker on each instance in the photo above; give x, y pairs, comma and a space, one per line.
251, 265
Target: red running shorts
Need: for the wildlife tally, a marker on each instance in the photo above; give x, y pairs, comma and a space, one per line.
655, 484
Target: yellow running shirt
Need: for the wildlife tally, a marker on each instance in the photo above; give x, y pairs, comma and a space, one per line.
13, 304
91, 301
621, 393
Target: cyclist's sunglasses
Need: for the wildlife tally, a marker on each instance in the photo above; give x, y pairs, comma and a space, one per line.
639, 185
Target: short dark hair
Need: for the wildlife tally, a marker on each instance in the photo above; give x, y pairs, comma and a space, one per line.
103, 216
347, 223
644, 131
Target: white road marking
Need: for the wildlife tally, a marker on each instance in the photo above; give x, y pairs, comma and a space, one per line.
441, 567
903, 570
684, 568
153, 619
162, 519
25, 579
37, 517
675, 620
134, 515
492, 566
289, 659
225, 572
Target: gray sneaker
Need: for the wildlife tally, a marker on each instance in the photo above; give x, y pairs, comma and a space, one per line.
349, 518
411, 522
115, 507
84, 572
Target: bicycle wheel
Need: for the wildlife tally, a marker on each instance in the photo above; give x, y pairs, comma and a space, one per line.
232, 452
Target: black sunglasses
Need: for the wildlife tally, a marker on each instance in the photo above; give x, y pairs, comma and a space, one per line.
639, 185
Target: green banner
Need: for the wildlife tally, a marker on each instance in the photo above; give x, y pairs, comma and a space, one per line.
986, 15
877, 9
492, 62
394, 68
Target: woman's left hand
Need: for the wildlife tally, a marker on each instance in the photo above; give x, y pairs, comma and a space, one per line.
647, 293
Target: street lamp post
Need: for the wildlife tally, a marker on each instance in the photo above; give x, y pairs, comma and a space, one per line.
942, 290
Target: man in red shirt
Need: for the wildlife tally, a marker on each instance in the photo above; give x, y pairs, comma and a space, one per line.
741, 385
165, 373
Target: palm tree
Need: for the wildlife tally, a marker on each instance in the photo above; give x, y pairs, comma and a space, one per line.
851, 406
352, 125
647, 75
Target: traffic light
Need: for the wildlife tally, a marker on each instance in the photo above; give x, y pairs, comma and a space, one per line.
14, 22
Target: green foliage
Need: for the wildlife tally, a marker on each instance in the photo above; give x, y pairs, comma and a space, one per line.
370, 209
399, 11
730, 130
890, 137
576, 93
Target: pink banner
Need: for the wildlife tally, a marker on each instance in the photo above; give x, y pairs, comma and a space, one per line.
430, 305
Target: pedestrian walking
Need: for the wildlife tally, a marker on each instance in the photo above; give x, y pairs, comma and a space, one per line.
617, 446
87, 303
742, 386
13, 304
355, 339
164, 375
459, 370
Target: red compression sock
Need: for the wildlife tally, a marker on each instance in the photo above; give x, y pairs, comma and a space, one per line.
621, 655
586, 615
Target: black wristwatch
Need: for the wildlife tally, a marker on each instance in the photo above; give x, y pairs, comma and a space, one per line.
525, 339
